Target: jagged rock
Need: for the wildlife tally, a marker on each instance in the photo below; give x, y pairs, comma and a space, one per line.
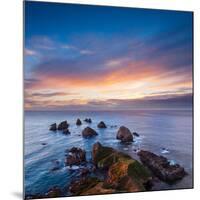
98, 189
89, 132
136, 134
101, 125
84, 172
88, 120
75, 156
77, 187
124, 173
63, 125
53, 127
66, 131
124, 134
161, 167
78, 122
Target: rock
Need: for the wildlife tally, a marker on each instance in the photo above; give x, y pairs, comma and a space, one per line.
54, 192
161, 167
75, 157
88, 120
53, 127
63, 125
44, 143
89, 132
124, 173
78, 187
124, 134
66, 131
78, 122
98, 189
136, 134
101, 125
84, 172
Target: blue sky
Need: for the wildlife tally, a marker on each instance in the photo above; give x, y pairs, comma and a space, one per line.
94, 57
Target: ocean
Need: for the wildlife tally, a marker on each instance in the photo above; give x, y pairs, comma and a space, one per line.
164, 132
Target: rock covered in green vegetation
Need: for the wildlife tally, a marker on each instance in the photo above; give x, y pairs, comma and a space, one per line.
124, 173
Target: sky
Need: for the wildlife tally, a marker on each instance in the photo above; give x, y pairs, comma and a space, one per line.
81, 57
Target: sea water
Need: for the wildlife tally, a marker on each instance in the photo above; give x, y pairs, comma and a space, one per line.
164, 132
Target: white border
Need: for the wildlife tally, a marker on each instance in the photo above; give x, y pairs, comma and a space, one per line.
11, 97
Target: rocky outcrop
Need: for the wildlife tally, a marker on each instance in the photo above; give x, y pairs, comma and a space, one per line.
63, 125
136, 134
78, 122
101, 125
124, 134
78, 187
75, 156
88, 120
53, 127
53, 192
124, 173
98, 189
66, 131
89, 132
161, 167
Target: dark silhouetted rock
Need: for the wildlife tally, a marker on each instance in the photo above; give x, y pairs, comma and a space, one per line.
136, 134
124, 134
63, 125
78, 122
75, 156
161, 167
84, 172
101, 125
66, 131
44, 143
53, 127
88, 120
89, 132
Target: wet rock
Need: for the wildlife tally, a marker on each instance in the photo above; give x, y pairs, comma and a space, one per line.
54, 192
124, 134
56, 165
66, 131
53, 127
63, 125
124, 173
98, 189
89, 132
78, 122
84, 172
88, 120
44, 143
161, 167
77, 187
75, 156
101, 125
136, 134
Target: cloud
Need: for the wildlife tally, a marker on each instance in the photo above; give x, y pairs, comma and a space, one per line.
29, 52
166, 102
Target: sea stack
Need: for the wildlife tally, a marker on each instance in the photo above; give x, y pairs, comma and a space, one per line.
78, 122
89, 132
124, 134
101, 125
